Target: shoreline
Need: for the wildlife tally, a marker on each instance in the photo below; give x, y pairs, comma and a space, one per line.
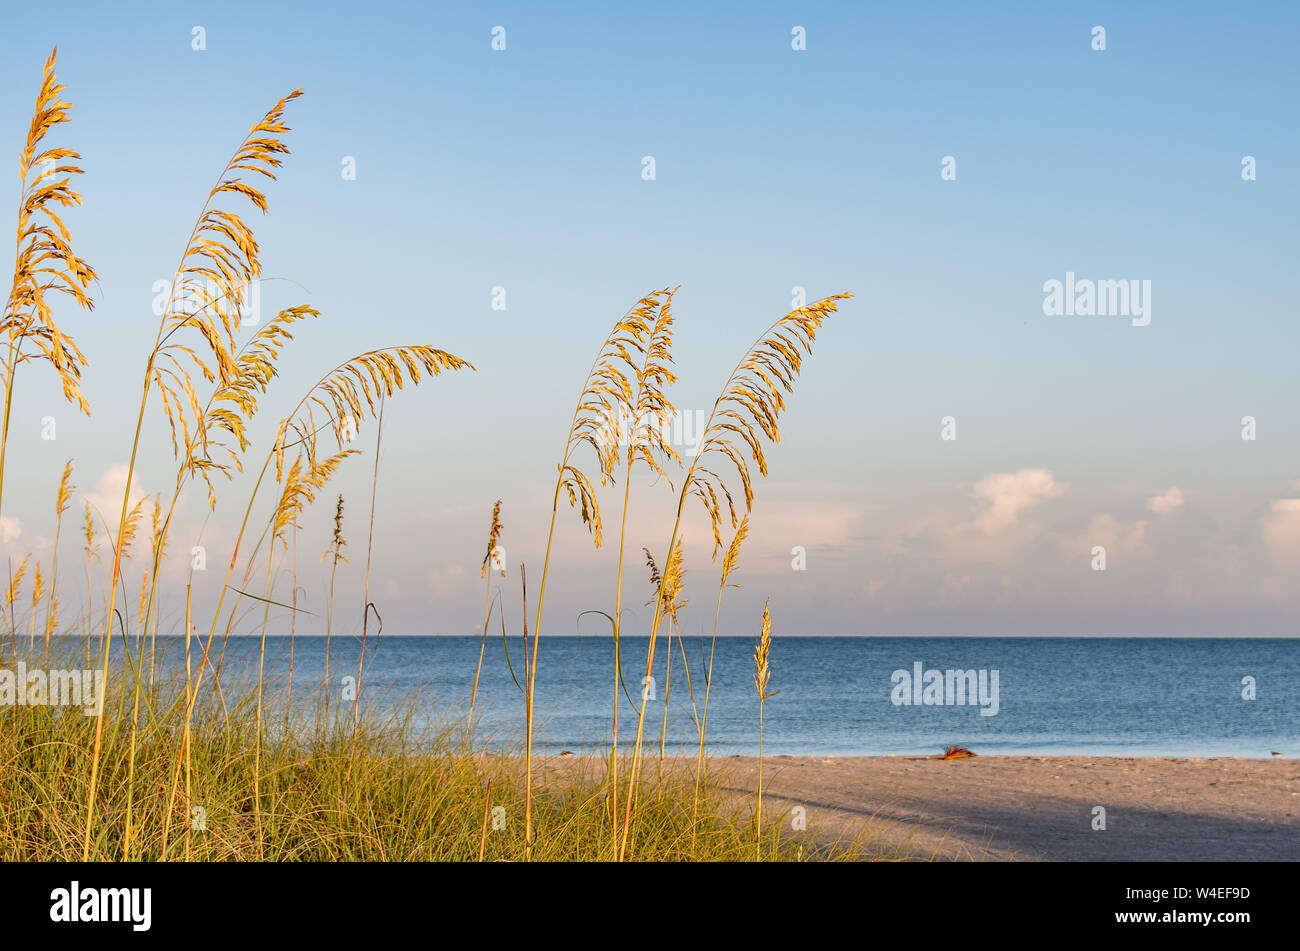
1031, 808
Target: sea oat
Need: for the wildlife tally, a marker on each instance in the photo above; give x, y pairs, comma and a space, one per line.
45, 260
494, 535
762, 654
749, 406
16, 582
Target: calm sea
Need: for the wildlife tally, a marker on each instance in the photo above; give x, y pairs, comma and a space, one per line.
837, 695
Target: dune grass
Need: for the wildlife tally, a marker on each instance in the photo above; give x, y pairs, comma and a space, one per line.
318, 783
392, 792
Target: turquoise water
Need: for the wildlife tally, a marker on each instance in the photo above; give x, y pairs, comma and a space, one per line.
835, 695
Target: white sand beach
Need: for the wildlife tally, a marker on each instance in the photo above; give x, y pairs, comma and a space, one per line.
1042, 807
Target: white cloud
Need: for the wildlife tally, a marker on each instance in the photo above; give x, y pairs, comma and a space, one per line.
1114, 535
106, 500
1170, 500
1007, 494
10, 528
1280, 530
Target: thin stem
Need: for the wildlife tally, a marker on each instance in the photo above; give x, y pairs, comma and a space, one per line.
704, 715
758, 815
370, 545
473, 694
618, 632
261, 670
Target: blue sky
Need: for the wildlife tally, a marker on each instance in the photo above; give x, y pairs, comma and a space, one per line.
775, 168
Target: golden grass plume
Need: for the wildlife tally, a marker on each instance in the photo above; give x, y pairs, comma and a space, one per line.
347, 394
15, 590
45, 261
219, 265
606, 399
762, 656
337, 542
747, 410
494, 535
651, 410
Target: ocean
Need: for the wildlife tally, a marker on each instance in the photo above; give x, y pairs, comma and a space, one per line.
838, 696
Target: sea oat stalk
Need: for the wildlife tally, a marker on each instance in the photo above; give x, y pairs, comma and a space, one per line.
762, 674
606, 397
744, 414
490, 560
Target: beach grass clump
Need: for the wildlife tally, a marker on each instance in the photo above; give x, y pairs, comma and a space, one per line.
393, 791
189, 762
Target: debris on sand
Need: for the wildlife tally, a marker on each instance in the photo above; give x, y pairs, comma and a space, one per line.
955, 752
